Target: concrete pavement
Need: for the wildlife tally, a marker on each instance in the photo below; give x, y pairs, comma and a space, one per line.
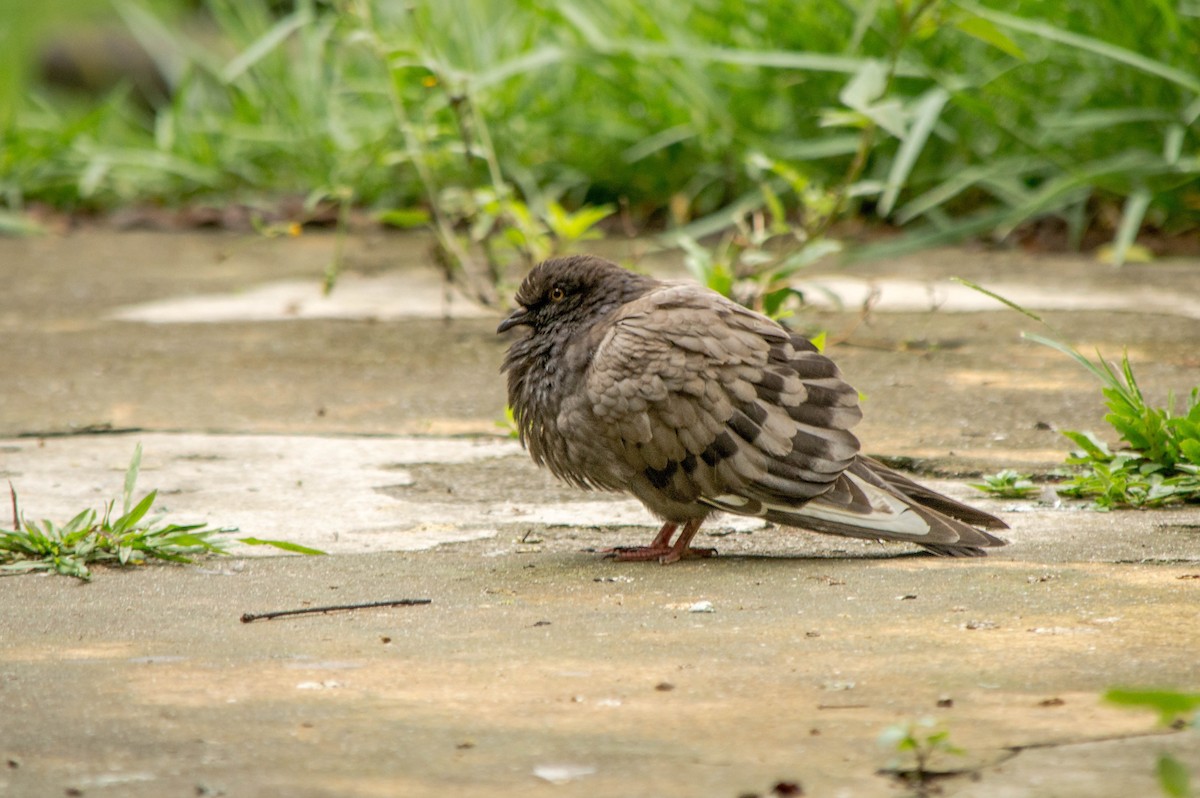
369, 430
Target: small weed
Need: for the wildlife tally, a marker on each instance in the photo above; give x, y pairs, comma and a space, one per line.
1007, 484
1173, 708
91, 537
917, 747
1162, 462
509, 423
1161, 465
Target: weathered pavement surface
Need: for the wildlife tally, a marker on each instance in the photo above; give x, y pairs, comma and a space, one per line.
365, 425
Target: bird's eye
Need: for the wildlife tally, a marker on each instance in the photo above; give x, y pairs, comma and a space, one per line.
557, 294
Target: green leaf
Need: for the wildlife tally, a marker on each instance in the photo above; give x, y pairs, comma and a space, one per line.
1004, 301
129, 519
404, 218
261, 47
131, 475
1089, 443
925, 115
1169, 704
865, 87
1131, 221
1112, 52
772, 301
83, 521
658, 141
987, 32
569, 227
1103, 372
809, 254
283, 545
1173, 777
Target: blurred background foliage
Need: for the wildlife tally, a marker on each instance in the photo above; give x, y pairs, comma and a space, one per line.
496, 121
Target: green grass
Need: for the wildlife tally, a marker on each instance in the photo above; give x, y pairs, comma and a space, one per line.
92, 537
97, 537
1159, 462
953, 119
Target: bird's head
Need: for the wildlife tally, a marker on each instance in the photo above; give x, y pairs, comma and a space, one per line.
572, 292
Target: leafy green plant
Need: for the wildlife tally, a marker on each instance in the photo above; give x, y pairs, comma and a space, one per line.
486, 227
1007, 484
756, 258
951, 119
750, 265
918, 749
1161, 465
1162, 462
92, 537
1173, 708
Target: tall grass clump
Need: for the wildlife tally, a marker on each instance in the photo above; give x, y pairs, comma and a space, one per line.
950, 119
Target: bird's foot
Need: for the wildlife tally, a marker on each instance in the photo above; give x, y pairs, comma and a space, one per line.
664, 554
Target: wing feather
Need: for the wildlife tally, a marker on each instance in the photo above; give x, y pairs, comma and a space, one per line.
705, 398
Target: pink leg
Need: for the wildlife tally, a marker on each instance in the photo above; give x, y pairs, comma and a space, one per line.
682, 550
661, 549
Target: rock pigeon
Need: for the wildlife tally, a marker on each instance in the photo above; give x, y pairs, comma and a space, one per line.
695, 404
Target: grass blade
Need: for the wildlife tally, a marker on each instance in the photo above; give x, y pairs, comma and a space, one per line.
1112, 52
262, 46
129, 520
283, 545
997, 297
926, 114
131, 475
1103, 372
1131, 221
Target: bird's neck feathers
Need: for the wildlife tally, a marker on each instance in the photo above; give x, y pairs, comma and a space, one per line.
552, 361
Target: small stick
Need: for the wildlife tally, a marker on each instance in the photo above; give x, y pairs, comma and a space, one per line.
266, 616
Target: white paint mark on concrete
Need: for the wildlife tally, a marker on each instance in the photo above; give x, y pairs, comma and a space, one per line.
395, 295
898, 295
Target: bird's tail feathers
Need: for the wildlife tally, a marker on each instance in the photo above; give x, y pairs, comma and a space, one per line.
876, 472
868, 503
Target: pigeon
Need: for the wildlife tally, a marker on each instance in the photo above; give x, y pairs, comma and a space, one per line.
695, 405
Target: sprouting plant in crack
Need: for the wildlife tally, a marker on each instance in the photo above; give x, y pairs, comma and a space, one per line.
1158, 462
97, 537
1007, 484
92, 537
918, 749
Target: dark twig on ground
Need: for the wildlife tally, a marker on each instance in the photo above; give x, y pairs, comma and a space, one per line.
266, 616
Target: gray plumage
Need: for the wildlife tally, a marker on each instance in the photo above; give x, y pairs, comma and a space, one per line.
695, 404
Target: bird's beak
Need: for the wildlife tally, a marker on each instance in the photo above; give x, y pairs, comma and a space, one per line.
517, 317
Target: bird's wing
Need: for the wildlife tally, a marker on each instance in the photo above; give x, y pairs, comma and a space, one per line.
709, 405
870, 501
705, 401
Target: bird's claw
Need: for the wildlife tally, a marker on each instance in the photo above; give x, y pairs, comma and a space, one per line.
664, 554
